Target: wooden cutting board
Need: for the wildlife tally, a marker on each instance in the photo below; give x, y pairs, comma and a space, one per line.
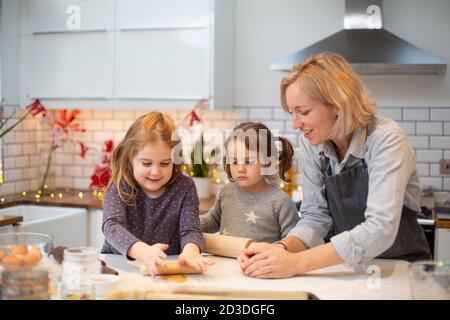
210, 293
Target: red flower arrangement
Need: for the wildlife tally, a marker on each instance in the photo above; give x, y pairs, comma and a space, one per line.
62, 130
102, 172
34, 109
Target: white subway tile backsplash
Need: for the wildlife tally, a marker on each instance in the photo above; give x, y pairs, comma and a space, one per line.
13, 175
392, 113
423, 169
213, 115
118, 136
440, 142
59, 170
419, 142
113, 125
14, 150
9, 163
124, 114
280, 114
223, 125
257, 114
85, 114
434, 128
447, 184
9, 138
102, 136
240, 114
276, 127
288, 128
102, 114
88, 171
63, 158
87, 160
416, 114
292, 137
34, 184
29, 124
428, 130
408, 127
22, 186
94, 125
428, 155
7, 189
30, 173
63, 182
434, 170
81, 183
29, 148
440, 114
436, 183
447, 128
22, 162
73, 171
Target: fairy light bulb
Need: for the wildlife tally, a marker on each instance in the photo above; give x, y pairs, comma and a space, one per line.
80, 195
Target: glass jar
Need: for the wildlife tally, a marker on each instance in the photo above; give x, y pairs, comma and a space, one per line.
25, 284
78, 265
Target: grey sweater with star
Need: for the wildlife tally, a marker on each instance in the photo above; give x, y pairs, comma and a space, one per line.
267, 216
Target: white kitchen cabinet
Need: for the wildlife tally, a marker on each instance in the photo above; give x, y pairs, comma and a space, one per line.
153, 54
151, 14
95, 234
67, 66
168, 64
50, 16
442, 244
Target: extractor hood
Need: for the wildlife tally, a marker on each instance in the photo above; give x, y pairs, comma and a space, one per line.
368, 47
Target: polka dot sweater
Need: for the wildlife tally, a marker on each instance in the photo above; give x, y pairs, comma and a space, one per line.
171, 218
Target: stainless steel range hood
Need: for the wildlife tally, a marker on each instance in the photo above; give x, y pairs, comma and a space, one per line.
367, 47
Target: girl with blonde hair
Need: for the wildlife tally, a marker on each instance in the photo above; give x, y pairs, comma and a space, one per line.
150, 208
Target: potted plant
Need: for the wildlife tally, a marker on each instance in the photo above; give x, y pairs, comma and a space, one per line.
200, 168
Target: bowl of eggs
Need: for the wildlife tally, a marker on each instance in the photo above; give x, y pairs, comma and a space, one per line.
24, 249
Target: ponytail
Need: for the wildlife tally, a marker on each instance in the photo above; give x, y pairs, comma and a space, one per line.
285, 158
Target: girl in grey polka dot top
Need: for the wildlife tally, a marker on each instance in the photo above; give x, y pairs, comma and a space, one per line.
151, 209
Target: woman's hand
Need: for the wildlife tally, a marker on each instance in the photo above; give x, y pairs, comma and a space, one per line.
191, 256
255, 247
151, 256
271, 263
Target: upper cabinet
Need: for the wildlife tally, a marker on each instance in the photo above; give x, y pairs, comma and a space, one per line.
159, 14
127, 53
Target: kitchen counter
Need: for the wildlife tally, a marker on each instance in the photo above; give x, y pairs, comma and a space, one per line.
336, 282
70, 198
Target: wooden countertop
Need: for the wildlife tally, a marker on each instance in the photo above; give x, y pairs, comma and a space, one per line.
70, 198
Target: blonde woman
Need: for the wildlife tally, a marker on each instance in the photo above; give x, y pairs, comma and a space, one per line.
360, 183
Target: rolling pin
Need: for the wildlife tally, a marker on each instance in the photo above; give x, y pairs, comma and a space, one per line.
169, 268
225, 246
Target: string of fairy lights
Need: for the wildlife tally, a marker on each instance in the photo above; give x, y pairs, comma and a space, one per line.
57, 195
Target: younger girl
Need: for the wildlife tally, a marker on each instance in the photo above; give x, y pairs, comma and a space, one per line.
253, 206
150, 208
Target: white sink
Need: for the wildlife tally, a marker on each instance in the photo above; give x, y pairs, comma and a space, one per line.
66, 224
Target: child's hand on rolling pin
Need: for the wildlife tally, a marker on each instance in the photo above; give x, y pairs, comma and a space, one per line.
191, 256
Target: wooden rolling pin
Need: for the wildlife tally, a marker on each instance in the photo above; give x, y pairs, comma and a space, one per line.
169, 268
225, 246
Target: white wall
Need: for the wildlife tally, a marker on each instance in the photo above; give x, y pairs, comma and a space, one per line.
10, 51
267, 30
